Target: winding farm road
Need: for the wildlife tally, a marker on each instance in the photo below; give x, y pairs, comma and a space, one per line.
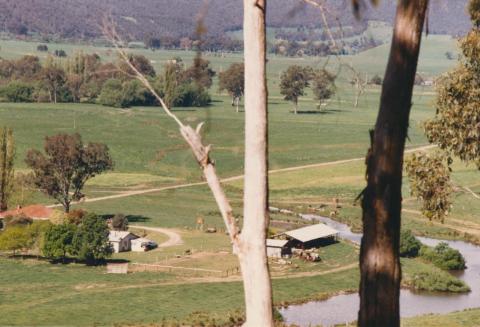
173, 237
230, 179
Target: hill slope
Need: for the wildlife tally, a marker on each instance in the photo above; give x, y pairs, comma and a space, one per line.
176, 18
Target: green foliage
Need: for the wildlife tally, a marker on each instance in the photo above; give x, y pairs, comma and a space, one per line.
437, 281
17, 91
67, 165
58, 241
191, 95
376, 80
293, 82
429, 176
233, 81
7, 173
16, 238
455, 126
409, 244
18, 220
323, 85
120, 222
90, 242
42, 48
443, 256
112, 94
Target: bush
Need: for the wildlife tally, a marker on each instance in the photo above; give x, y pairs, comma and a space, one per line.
376, 80
16, 238
60, 53
18, 220
112, 94
409, 244
58, 241
17, 91
190, 95
437, 281
444, 257
42, 48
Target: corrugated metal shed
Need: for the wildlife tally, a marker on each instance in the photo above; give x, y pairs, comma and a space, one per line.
276, 243
312, 232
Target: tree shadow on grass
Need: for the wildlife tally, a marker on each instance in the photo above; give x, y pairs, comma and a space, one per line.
137, 218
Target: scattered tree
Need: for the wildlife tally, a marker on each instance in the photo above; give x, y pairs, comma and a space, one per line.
293, 82
7, 174
53, 79
323, 86
120, 222
233, 81
376, 80
67, 164
60, 53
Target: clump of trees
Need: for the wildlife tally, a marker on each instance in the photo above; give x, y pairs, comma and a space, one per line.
66, 166
429, 176
437, 281
85, 240
296, 79
84, 78
22, 234
120, 222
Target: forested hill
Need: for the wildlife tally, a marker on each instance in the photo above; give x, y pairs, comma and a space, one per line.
176, 18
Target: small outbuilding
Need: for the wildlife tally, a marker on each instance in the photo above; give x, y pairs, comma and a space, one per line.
143, 244
278, 248
121, 241
311, 236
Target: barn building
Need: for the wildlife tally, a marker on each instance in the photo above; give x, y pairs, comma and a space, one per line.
278, 248
312, 236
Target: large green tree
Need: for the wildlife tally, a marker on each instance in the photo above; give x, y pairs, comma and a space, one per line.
90, 242
66, 165
233, 81
293, 83
58, 241
7, 158
456, 126
323, 86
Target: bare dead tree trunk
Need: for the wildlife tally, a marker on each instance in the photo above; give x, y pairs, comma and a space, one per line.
252, 253
381, 203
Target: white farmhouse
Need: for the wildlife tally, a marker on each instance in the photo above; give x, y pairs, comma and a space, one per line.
278, 248
121, 241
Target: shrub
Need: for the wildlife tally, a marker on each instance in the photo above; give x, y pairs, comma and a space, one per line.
17, 91
60, 53
76, 216
42, 48
16, 238
18, 220
112, 94
437, 281
190, 95
376, 80
444, 257
409, 244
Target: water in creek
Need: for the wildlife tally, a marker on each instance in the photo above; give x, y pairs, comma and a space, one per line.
344, 308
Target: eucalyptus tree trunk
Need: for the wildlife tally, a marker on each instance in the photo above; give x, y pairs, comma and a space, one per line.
252, 250
379, 255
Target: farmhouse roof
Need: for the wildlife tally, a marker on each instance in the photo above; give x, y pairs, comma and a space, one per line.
117, 236
276, 243
142, 240
35, 211
311, 233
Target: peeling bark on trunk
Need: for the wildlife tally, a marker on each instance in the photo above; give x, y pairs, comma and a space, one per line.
381, 203
252, 251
